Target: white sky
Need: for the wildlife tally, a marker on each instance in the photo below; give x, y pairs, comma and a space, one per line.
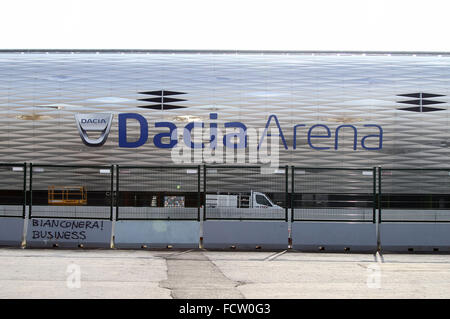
388, 25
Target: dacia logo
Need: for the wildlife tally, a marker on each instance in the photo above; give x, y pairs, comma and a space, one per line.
99, 123
93, 121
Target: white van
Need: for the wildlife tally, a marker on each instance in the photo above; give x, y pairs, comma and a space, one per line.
241, 200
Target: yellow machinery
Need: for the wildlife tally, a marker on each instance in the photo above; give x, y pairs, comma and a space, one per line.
67, 195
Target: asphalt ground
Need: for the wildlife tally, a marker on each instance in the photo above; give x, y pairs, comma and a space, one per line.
58, 273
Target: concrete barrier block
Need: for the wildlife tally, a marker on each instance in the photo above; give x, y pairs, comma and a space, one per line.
222, 234
11, 231
156, 234
69, 233
415, 236
334, 236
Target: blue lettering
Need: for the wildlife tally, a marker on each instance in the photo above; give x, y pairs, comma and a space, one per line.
123, 142
187, 135
279, 130
237, 139
380, 138
295, 135
355, 136
242, 135
213, 131
172, 135
318, 136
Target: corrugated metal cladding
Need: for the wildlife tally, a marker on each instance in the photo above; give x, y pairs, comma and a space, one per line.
40, 94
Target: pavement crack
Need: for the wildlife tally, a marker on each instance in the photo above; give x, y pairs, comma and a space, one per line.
161, 284
240, 283
194, 276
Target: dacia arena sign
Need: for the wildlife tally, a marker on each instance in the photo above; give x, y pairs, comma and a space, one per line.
315, 135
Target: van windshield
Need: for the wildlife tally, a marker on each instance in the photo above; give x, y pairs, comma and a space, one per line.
261, 200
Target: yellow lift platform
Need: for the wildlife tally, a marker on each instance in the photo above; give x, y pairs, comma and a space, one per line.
67, 195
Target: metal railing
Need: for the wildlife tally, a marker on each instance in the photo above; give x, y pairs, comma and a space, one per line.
97, 181
333, 194
158, 192
414, 195
13, 196
245, 193
225, 193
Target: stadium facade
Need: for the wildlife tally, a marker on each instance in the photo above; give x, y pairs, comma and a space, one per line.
328, 109
362, 139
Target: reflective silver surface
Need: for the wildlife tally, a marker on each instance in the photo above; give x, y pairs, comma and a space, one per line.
40, 94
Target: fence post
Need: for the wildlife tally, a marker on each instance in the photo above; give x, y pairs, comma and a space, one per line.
24, 189
31, 191
286, 173
379, 195
117, 192
374, 178
112, 193
292, 192
198, 192
379, 211
204, 191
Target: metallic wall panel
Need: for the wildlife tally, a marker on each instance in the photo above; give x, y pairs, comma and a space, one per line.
40, 94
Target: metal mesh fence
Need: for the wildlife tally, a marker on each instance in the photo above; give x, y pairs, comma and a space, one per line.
410, 195
254, 193
158, 193
333, 194
59, 191
12, 190
226, 192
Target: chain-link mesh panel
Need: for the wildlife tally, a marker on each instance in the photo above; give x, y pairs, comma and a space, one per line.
415, 195
245, 193
159, 193
71, 191
330, 194
12, 187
